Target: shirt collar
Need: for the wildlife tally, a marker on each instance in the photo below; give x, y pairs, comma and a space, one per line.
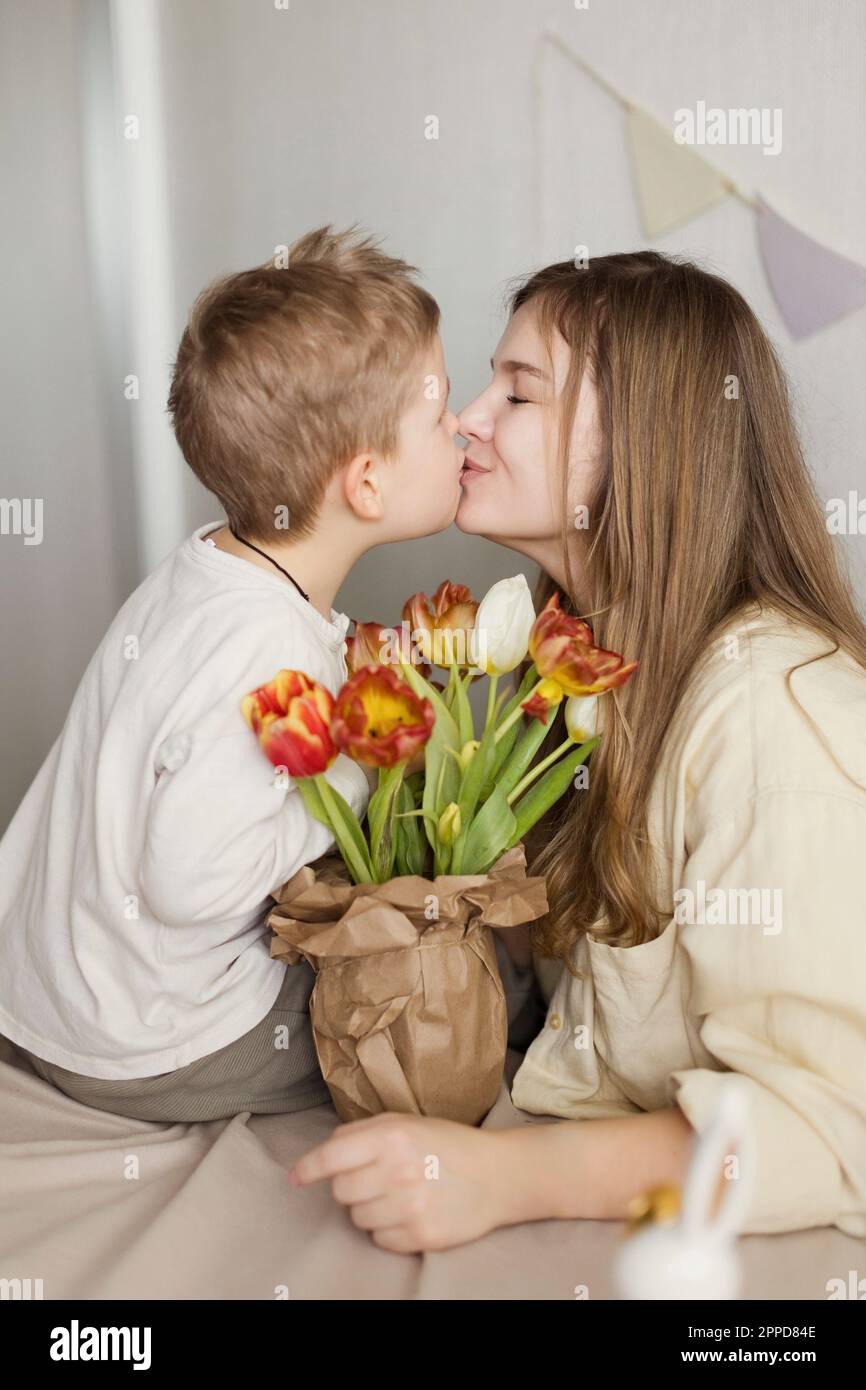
332, 632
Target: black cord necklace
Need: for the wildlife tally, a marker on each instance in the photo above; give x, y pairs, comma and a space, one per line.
272, 560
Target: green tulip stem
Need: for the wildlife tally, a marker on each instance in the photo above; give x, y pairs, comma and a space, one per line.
538, 769
360, 866
448, 692
491, 699
514, 715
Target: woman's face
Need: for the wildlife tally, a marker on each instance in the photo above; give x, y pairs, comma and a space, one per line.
511, 493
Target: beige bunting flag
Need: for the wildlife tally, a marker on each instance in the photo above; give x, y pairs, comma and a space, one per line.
673, 183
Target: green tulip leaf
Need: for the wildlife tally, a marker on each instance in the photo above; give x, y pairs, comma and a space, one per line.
318, 793
411, 842
538, 798
490, 834
380, 814
521, 757
442, 778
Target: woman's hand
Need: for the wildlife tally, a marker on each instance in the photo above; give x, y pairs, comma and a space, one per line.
416, 1183
419, 1184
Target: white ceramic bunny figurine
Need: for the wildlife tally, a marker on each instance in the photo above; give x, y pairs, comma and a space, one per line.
695, 1256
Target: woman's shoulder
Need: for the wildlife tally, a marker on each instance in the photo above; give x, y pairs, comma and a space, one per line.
772, 706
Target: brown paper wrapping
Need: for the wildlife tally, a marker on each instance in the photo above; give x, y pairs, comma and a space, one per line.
408, 1014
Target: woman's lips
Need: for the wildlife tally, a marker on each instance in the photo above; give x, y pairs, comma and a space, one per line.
470, 467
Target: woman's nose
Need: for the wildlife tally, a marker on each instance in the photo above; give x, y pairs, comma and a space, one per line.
475, 420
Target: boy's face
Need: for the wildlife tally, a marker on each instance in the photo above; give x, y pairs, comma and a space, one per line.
423, 483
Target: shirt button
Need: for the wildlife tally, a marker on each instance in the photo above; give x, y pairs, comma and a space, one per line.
554, 1021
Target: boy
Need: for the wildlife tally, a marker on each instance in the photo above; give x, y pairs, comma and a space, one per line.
135, 971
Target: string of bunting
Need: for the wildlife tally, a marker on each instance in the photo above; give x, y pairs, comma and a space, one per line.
812, 285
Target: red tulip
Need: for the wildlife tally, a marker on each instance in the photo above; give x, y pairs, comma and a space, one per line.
291, 716
273, 698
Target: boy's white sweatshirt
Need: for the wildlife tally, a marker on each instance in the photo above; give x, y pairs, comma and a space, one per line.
134, 877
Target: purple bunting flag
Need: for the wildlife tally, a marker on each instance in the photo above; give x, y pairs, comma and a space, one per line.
813, 286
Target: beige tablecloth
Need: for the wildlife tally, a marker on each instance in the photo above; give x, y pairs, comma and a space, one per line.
98, 1206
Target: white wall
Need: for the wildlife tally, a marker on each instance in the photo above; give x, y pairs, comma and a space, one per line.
284, 119
277, 121
57, 597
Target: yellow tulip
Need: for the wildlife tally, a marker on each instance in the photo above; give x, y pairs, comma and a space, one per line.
449, 824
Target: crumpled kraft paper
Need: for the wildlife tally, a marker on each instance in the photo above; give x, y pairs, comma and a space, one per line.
408, 1011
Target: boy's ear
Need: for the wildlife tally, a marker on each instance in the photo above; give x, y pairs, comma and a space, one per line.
362, 487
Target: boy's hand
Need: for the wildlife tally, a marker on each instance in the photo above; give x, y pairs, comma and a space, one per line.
414, 1183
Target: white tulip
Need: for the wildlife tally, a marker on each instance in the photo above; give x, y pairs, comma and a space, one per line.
582, 717
502, 626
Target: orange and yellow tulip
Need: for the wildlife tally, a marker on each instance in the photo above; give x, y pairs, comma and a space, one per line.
446, 622
546, 696
366, 647
379, 720
564, 651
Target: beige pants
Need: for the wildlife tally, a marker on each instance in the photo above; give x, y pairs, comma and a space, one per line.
252, 1073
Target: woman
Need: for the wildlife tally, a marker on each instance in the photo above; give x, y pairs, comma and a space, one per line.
706, 893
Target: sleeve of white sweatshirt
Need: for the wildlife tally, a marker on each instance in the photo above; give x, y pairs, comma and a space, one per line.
223, 831
783, 1004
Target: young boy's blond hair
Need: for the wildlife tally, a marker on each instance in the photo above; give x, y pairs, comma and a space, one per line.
285, 372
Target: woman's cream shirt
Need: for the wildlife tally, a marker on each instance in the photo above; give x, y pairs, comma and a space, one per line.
762, 968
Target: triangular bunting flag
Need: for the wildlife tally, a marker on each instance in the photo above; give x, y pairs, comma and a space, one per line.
674, 184
813, 286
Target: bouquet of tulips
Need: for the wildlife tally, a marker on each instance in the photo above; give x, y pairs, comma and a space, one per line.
441, 859
475, 797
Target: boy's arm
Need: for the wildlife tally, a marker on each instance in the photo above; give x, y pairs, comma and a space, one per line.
222, 832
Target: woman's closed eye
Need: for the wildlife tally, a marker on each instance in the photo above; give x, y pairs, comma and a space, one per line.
517, 400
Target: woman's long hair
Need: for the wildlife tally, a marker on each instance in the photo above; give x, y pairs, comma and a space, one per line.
705, 505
